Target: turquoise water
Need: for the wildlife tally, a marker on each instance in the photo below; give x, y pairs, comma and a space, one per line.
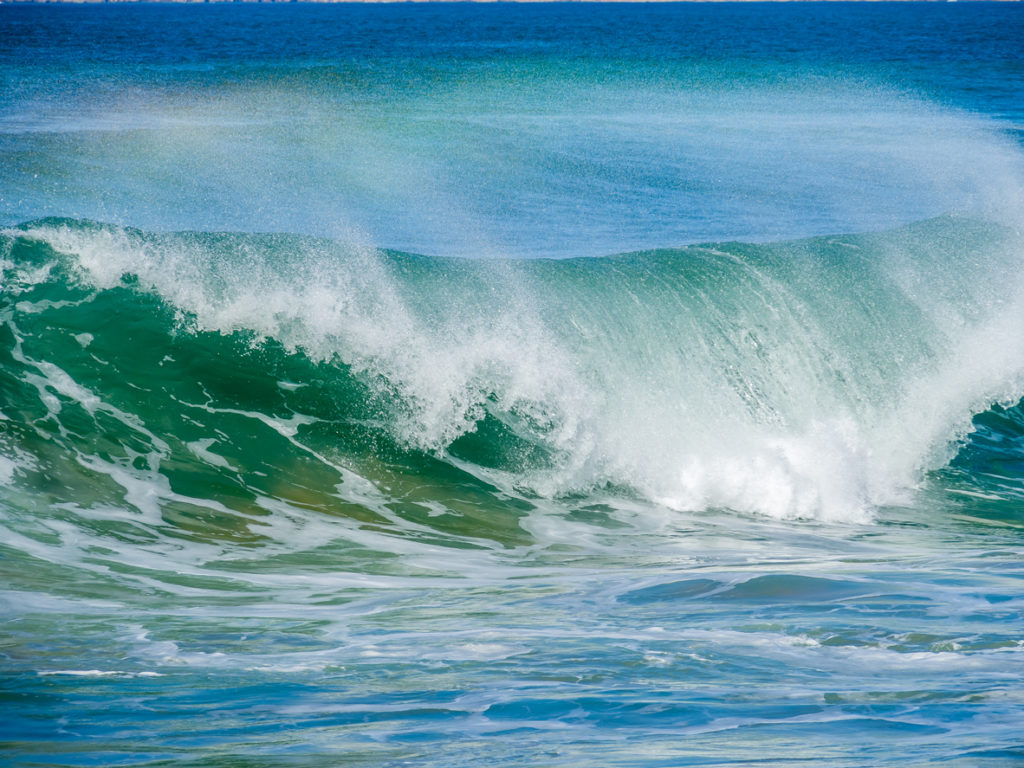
511, 385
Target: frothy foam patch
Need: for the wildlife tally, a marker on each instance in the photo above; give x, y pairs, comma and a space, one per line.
7, 468
824, 474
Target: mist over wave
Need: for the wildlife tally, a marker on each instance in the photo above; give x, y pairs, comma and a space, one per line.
530, 155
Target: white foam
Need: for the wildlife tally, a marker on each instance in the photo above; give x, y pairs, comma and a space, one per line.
7, 469
201, 449
96, 673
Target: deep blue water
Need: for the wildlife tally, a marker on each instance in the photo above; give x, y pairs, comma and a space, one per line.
522, 385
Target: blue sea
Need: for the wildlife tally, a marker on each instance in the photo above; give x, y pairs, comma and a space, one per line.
535, 385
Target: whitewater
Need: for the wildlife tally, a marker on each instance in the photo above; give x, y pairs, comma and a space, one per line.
524, 385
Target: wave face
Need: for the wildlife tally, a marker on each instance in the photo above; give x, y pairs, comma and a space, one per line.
818, 378
511, 384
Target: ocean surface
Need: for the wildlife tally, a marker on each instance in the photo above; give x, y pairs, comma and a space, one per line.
512, 385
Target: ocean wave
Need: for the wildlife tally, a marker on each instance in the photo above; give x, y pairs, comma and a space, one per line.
819, 378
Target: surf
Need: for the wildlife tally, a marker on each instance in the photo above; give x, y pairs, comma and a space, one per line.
820, 379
